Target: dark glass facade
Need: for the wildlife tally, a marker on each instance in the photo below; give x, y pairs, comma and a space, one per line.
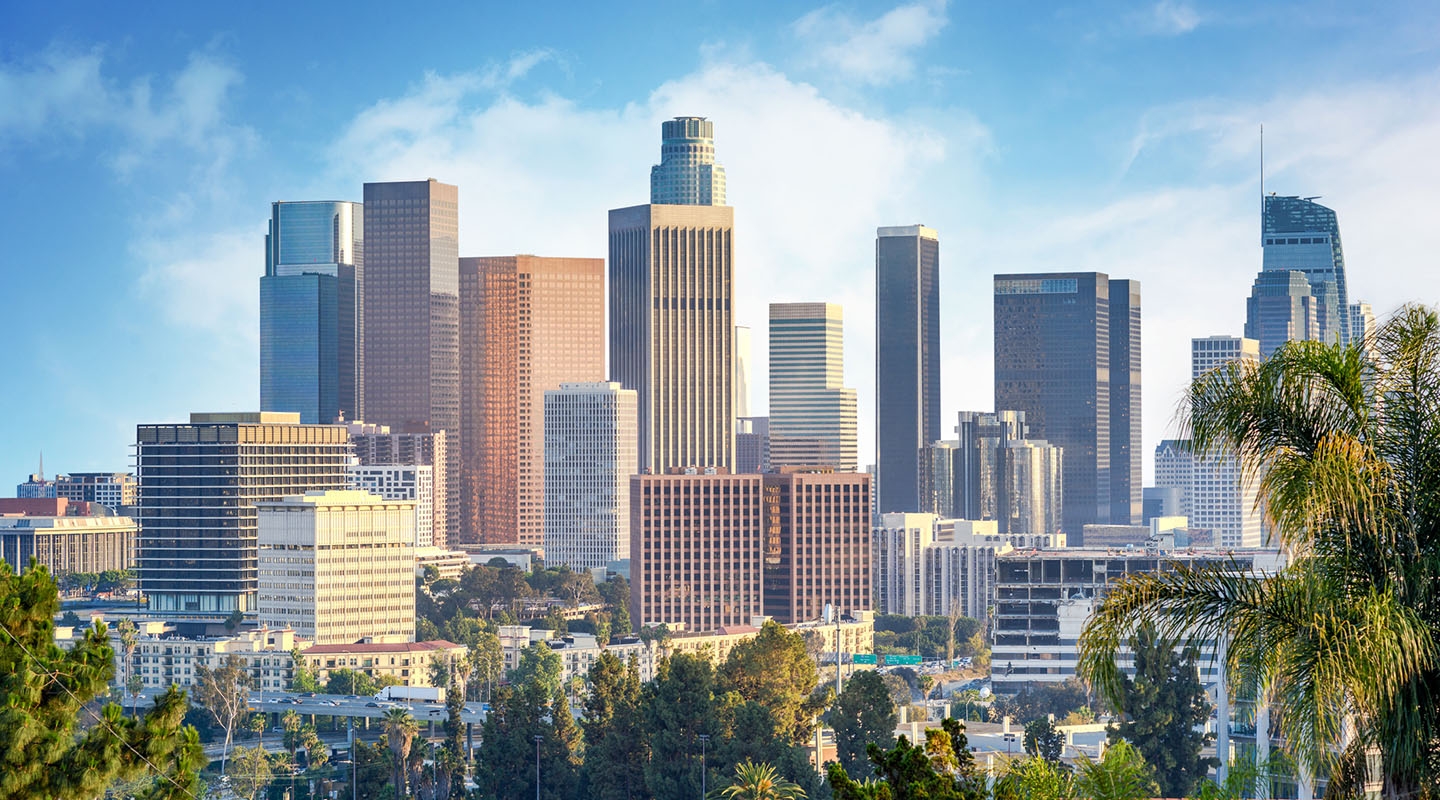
1067, 354
907, 362
1299, 234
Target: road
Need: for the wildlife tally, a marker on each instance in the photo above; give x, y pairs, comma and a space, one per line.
359, 707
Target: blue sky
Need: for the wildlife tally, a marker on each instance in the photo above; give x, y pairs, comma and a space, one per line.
141, 151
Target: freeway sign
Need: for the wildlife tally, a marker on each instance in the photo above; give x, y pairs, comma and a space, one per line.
894, 660
863, 658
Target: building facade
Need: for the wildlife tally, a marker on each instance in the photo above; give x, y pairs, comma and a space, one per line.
65, 545
405, 663
109, 489
822, 557
413, 483
1224, 498
1175, 469
812, 415
1300, 235
907, 361
312, 311
199, 486
744, 377
687, 174
338, 566
528, 324
1281, 308
1067, 353
590, 456
925, 565
752, 444
377, 446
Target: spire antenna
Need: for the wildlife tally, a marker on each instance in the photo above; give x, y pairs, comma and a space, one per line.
1262, 183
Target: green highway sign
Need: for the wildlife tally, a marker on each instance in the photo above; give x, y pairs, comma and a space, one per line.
863, 658
893, 660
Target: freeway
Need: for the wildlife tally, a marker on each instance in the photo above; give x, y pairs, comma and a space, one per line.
334, 705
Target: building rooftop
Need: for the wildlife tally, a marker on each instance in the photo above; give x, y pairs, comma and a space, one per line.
365, 647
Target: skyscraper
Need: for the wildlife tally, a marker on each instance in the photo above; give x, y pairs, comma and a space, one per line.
671, 319
743, 375
1362, 321
312, 304
1302, 235
1222, 495
1175, 469
199, 486
412, 306
812, 416
589, 460
377, 446
687, 174
907, 361
528, 324
1067, 353
1281, 308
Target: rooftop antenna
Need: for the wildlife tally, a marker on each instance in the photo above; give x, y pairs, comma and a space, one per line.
1262, 183
42, 465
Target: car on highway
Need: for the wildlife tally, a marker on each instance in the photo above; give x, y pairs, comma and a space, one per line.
372, 705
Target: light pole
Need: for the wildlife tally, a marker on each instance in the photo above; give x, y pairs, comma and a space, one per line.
538, 739
704, 740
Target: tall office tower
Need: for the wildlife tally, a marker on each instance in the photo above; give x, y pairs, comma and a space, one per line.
1222, 495
199, 486
752, 445
938, 490
687, 174
413, 483
812, 416
1298, 234
672, 326
376, 446
898, 545
1067, 353
1175, 469
590, 457
715, 549
312, 304
977, 471
1280, 309
338, 567
528, 324
1031, 487
907, 361
110, 489
744, 379
1362, 322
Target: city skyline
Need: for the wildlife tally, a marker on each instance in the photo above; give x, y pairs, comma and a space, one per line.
199, 186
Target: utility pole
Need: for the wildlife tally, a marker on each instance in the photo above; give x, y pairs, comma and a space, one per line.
538, 739
704, 740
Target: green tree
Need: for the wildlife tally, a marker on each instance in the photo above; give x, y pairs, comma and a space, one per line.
400, 731
1121, 774
758, 782
317, 753
616, 595
129, 640
506, 764
487, 663
1038, 702
941, 769
350, 682
1163, 710
373, 772
291, 722
1345, 444
224, 692
72, 620
863, 714
615, 748
679, 707
251, 772
539, 664
303, 677
53, 742
774, 670
1043, 741
1035, 779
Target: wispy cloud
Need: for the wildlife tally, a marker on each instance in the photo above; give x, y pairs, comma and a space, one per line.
877, 51
1168, 18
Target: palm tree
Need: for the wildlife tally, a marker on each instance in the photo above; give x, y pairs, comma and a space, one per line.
400, 730
758, 782
1120, 774
1345, 444
128, 640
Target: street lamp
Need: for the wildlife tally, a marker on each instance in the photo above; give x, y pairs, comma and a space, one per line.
704, 740
538, 739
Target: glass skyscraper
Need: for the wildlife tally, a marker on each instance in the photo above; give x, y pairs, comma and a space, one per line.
907, 362
312, 311
687, 174
1281, 308
1301, 235
812, 416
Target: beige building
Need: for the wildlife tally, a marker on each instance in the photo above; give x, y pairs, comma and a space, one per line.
338, 566
67, 545
812, 415
405, 663
163, 659
589, 460
527, 324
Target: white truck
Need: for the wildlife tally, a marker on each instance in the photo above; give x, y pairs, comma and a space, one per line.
423, 694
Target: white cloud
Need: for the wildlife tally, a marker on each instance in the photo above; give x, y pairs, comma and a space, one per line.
1169, 18
877, 51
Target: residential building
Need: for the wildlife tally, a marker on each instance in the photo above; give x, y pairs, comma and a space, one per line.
923, 564
338, 566
412, 320
199, 486
907, 361
687, 174
709, 549
109, 489
897, 562
1362, 324
590, 456
1300, 235
312, 311
752, 445
36, 487
164, 658
1067, 353
413, 483
578, 651
406, 663
68, 544
812, 416
744, 378
1281, 309
855, 633
1224, 496
527, 325
1175, 469
377, 446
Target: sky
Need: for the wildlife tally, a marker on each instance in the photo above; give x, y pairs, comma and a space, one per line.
141, 147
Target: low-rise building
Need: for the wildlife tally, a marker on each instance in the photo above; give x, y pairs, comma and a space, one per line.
162, 658
407, 663
68, 544
111, 489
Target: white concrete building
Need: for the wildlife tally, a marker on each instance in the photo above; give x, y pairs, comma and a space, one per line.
1174, 468
591, 452
1222, 498
922, 564
338, 567
413, 482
